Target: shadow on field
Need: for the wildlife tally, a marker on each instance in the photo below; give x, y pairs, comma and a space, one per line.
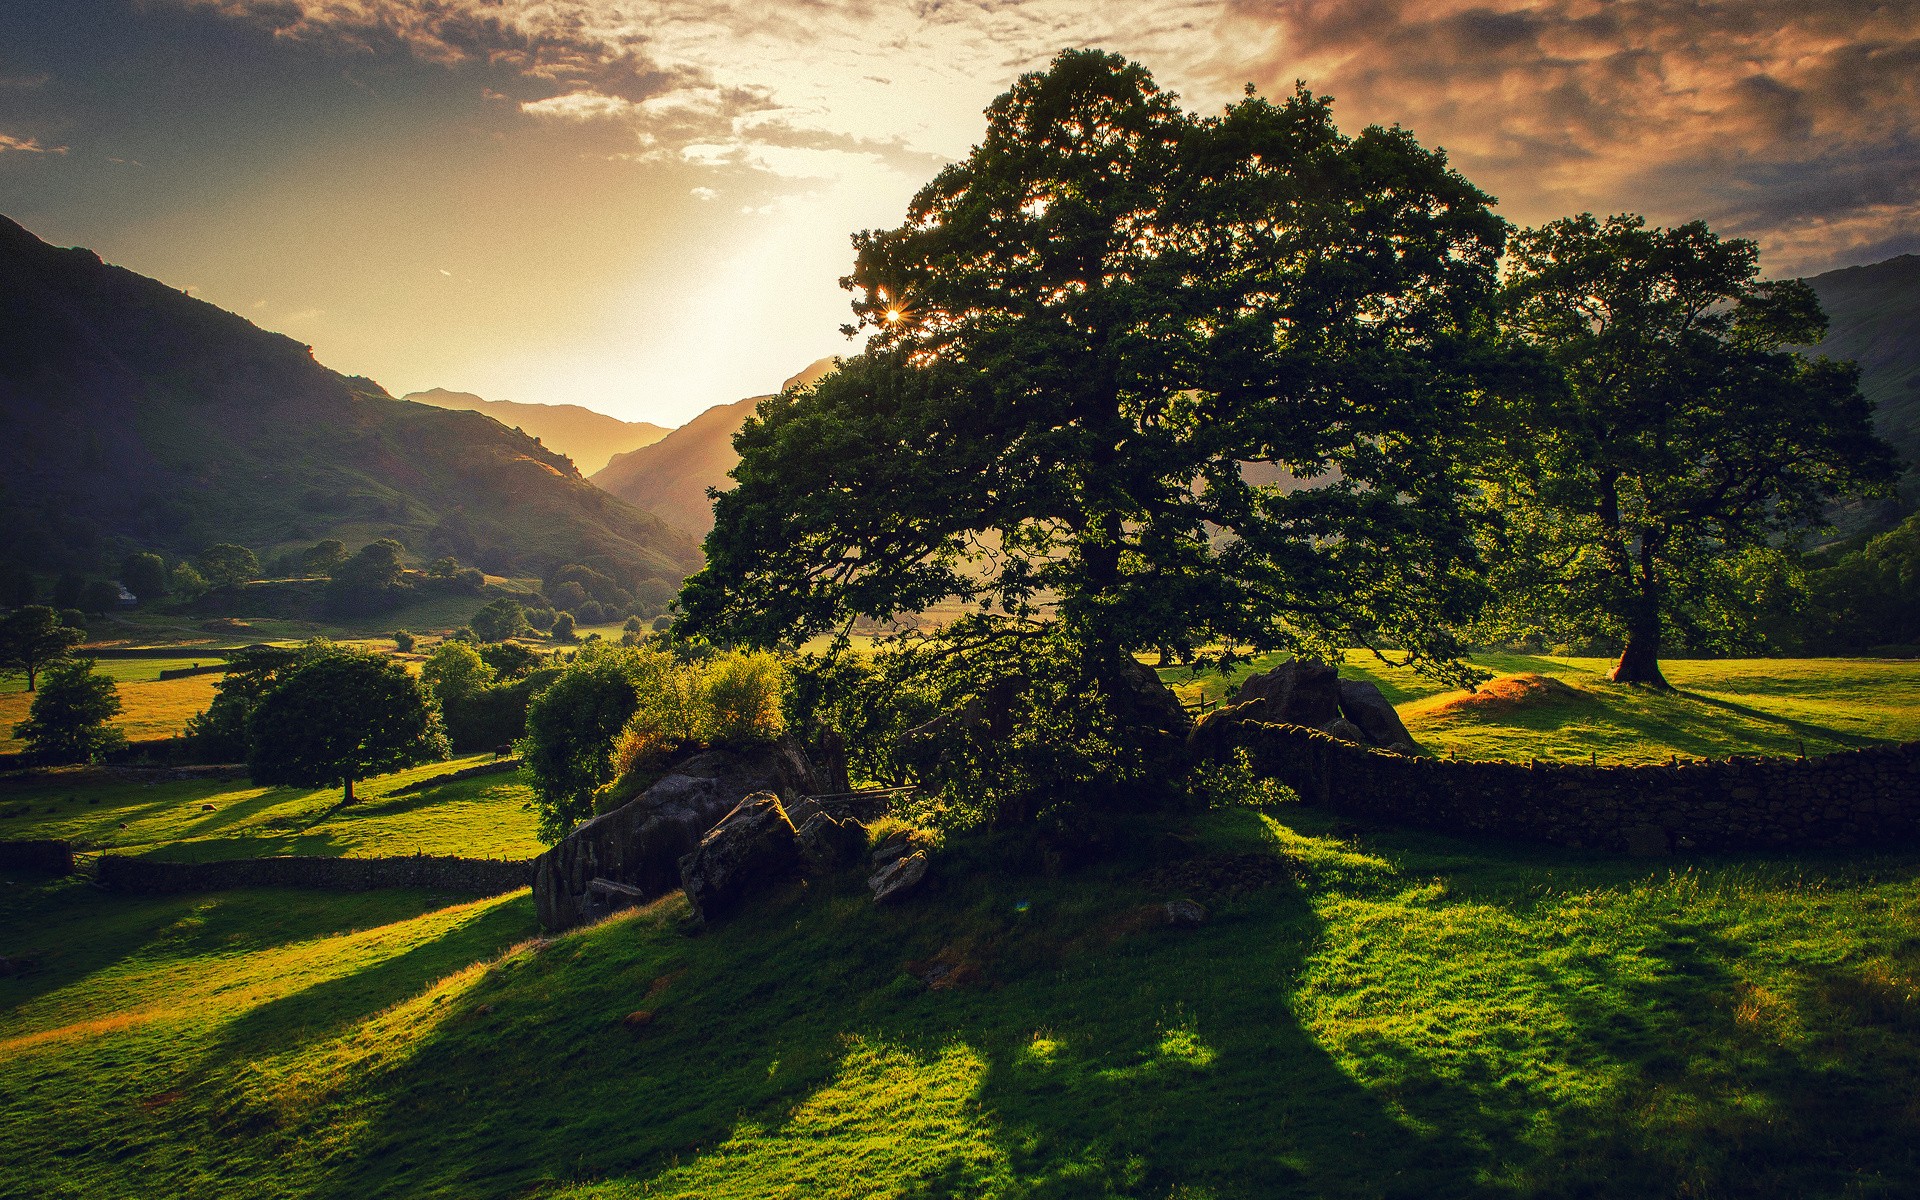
1110, 1055
1805, 730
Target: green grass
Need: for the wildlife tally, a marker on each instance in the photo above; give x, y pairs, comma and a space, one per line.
149, 709
1406, 1015
482, 817
1719, 707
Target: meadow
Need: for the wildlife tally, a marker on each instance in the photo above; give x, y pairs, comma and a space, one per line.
1366, 1012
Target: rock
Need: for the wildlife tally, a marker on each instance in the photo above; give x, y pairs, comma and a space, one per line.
1406, 748
641, 843
899, 878
829, 844
1185, 912
638, 1020
749, 848
1144, 702
1363, 704
895, 845
1297, 692
1345, 730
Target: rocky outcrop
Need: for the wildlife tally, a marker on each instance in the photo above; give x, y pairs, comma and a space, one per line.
1309, 693
640, 844
750, 848
1364, 704
828, 843
899, 877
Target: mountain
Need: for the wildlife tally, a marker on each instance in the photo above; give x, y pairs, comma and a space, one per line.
589, 438
671, 477
139, 417
1873, 316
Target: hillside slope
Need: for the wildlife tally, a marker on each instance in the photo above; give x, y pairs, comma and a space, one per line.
1874, 318
587, 437
671, 477
138, 416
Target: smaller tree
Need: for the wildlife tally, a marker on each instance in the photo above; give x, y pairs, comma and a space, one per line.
186, 582
226, 565
339, 718
562, 627
32, 637
99, 596
323, 557
571, 729
66, 590
145, 575
499, 620
68, 722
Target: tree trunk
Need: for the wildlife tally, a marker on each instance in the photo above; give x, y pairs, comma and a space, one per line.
1640, 660
349, 796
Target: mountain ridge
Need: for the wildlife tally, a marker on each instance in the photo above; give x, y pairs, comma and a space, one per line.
587, 436
142, 418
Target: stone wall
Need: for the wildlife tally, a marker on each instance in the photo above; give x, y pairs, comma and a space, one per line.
461, 876
1855, 798
40, 854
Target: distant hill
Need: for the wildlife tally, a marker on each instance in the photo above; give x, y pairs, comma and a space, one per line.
671, 477
589, 438
139, 417
1874, 319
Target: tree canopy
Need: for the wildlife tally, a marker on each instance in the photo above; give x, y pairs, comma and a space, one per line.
33, 636
68, 720
227, 565
1160, 379
338, 716
1646, 492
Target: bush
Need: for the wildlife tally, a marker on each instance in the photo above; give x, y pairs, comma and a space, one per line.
403, 641
499, 620
1236, 785
570, 733
562, 627
68, 721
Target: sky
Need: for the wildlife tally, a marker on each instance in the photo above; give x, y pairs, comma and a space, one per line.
644, 206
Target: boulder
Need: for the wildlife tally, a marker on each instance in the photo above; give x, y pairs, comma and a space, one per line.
640, 844
828, 843
1299, 691
1345, 730
1185, 912
1363, 704
748, 849
899, 878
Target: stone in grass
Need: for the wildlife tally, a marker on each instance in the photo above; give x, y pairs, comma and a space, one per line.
899, 878
1185, 913
749, 848
638, 1019
828, 845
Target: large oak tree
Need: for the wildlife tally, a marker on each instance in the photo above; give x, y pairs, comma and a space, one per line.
1159, 379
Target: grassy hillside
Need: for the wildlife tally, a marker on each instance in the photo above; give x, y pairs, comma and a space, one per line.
1538, 706
195, 820
587, 437
1874, 315
137, 415
1365, 1013
671, 477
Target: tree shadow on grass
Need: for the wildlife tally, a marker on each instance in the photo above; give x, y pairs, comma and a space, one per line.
1804, 730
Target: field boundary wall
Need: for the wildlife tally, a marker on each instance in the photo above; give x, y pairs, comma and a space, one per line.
463, 876
37, 854
1856, 798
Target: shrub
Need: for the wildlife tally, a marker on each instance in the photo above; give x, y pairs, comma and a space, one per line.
68, 721
403, 641
1236, 784
562, 627
741, 694
570, 733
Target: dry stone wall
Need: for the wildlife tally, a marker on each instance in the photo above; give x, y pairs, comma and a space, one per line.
37, 854
1865, 797
460, 876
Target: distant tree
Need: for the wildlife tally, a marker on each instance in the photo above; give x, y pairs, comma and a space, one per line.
186, 582
73, 618
443, 568
99, 596
1867, 600
323, 557
662, 623
68, 720
454, 672
470, 580
145, 575
541, 619
511, 660
340, 717
499, 620
220, 734
568, 596
403, 641
1683, 439
67, 588
633, 625
226, 565
33, 636
571, 729
562, 627
369, 582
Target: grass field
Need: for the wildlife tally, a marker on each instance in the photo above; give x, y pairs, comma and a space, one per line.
153, 708
1719, 707
1399, 1015
482, 817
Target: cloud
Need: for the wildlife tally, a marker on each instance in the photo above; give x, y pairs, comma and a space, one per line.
1775, 119
1787, 121
27, 145
703, 193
